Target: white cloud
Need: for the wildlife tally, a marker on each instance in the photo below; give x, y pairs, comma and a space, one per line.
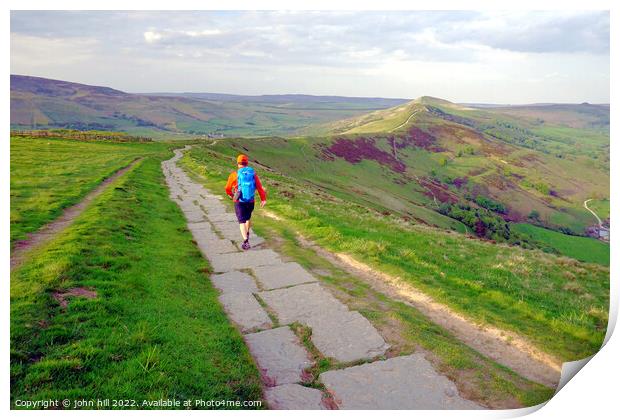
205, 32
151, 37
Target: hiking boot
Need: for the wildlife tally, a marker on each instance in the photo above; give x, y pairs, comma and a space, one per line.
245, 245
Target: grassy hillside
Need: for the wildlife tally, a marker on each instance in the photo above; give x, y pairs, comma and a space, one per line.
580, 248
48, 175
44, 103
367, 182
132, 250
558, 303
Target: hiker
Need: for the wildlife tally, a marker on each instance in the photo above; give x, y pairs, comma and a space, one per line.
241, 187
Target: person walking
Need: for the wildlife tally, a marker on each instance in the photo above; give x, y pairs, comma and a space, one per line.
241, 187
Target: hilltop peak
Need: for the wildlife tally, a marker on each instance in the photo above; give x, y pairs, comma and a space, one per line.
431, 100
58, 88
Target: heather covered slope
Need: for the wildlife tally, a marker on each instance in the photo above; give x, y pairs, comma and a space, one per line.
540, 168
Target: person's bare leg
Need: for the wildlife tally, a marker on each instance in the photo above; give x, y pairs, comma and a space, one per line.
244, 230
248, 224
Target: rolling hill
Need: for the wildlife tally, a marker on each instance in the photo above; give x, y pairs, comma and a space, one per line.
45, 103
475, 170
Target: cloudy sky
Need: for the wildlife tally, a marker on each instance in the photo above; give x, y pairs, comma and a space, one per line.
499, 57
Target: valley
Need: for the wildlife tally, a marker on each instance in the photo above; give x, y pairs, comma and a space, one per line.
45, 103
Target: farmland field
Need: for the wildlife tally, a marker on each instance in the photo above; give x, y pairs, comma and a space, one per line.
578, 247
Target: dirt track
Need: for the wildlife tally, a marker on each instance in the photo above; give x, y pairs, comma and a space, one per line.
47, 232
410, 116
585, 204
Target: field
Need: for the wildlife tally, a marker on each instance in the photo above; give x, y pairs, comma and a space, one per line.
600, 207
556, 302
96, 312
46, 177
577, 247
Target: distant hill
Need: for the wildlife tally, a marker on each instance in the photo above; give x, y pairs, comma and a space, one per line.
299, 101
588, 116
45, 103
386, 120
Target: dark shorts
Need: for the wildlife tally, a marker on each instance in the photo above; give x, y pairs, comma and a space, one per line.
244, 211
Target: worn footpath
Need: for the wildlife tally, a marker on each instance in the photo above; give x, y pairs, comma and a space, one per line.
263, 295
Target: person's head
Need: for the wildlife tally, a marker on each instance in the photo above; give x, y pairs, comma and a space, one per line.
242, 160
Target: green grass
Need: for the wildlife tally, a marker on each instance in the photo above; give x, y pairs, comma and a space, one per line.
600, 207
557, 303
365, 183
155, 329
578, 247
48, 175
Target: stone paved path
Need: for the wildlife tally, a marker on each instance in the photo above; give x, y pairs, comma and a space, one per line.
263, 295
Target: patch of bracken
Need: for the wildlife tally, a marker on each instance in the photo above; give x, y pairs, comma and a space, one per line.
440, 191
322, 153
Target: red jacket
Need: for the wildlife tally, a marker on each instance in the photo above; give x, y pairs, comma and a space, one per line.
231, 186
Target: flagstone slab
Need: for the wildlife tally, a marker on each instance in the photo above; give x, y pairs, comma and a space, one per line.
200, 226
230, 233
231, 226
205, 235
213, 208
234, 282
241, 260
337, 332
194, 216
215, 246
188, 206
223, 217
211, 203
294, 397
400, 383
300, 303
346, 336
245, 311
282, 275
280, 357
